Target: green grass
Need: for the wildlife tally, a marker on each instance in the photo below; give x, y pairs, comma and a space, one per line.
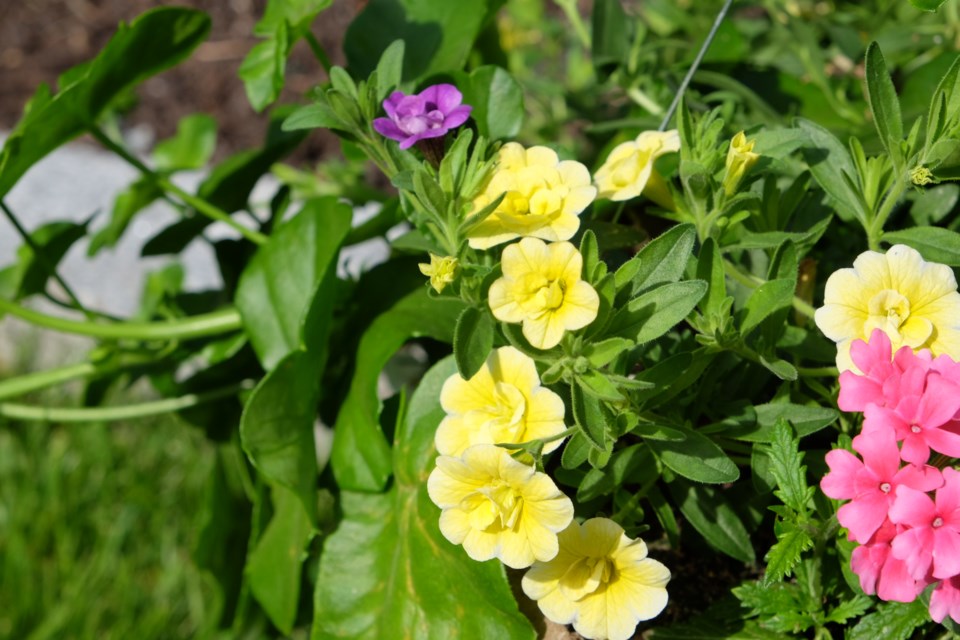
96, 527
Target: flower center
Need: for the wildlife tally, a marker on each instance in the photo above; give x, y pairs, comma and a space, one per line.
506, 416
937, 522
587, 575
889, 310
503, 504
915, 429
885, 487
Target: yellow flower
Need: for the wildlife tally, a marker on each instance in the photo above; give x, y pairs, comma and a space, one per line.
501, 403
740, 158
601, 581
497, 507
543, 197
629, 171
541, 287
914, 302
441, 271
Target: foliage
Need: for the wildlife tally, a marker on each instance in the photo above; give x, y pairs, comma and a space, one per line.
698, 395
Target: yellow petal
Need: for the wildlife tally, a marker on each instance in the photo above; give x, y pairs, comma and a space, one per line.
455, 525
480, 545
580, 305
451, 482
544, 156
460, 396
502, 303
545, 417
544, 332
558, 608
509, 365
453, 436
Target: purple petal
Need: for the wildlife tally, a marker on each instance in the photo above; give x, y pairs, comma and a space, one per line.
388, 128
410, 106
447, 97
434, 133
390, 104
457, 117
410, 141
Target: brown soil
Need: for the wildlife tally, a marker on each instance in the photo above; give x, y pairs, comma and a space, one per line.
39, 39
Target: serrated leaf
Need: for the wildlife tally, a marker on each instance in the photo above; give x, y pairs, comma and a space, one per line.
388, 572
785, 554
472, 340
853, 608
787, 467
891, 621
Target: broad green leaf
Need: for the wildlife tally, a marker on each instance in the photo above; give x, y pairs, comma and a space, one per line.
600, 482
664, 259
829, 161
191, 147
274, 565
805, 419
604, 352
575, 451
765, 300
313, 116
438, 35
710, 270
276, 428
496, 98
599, 386
361, 453
927, 5
390, 69
935, 244
934, 204
472, 340
610, 43
54, 240
589, 417
156, 40
388, 572
891, 621
883, 102
286, 278
655, 312
785, 553
696, 457
770, 239
128, 202
711, 515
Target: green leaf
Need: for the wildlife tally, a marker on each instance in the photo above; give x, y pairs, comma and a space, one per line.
313, 116
191, 147
655, 312
603, 353
575, 452
599, 386
589, 417
829, 162
765, 300
413, 583
438, 35
610, 43
884, 104
496, 98
787, 467
156, 40
274, 565
600, 482
785, 553
361, 453
285, 277
276, 428
711, 515
696, 457
472, 340
927, 5
134, 198
390, 69
54, 240
710, 270
891, 621
853, 608
935, 244
664, 259
805, 419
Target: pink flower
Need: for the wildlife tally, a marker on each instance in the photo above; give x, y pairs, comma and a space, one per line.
871, 485
428, 114
932, 536
880, 572
886, 376
945, 600
917, 418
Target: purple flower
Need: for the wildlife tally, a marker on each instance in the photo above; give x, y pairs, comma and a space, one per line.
429, 114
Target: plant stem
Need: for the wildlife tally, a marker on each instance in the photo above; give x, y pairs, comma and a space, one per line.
44, 260
569, 8
696, 63
201, 205
23, 384
819, 372
875, 230
753, 282
110, 414
318, 52
208, 324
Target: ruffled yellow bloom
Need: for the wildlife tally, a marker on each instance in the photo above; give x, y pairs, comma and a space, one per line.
497, 507
441, 271
601, 581
501, 403
740, 158
629, 171
914, 302
544, 197
541, 287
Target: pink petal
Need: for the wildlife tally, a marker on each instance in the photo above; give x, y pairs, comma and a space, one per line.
915, 448
445, 96
876, 418
922, 478
913, 508
896, 583
943, 441
946, 552
866, 561
864, 515
915, 548
880, 453
945, 600
939, 403
839, 483
948, 496
390, 104
856, 392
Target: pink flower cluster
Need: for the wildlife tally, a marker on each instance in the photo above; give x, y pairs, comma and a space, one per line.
904, 512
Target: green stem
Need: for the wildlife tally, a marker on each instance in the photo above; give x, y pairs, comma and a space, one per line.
696, 64
50, 267
209, 324
21, 385
819, 372
875, 230
201, 205
569, 8
318, 52
753, 282
110, 414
